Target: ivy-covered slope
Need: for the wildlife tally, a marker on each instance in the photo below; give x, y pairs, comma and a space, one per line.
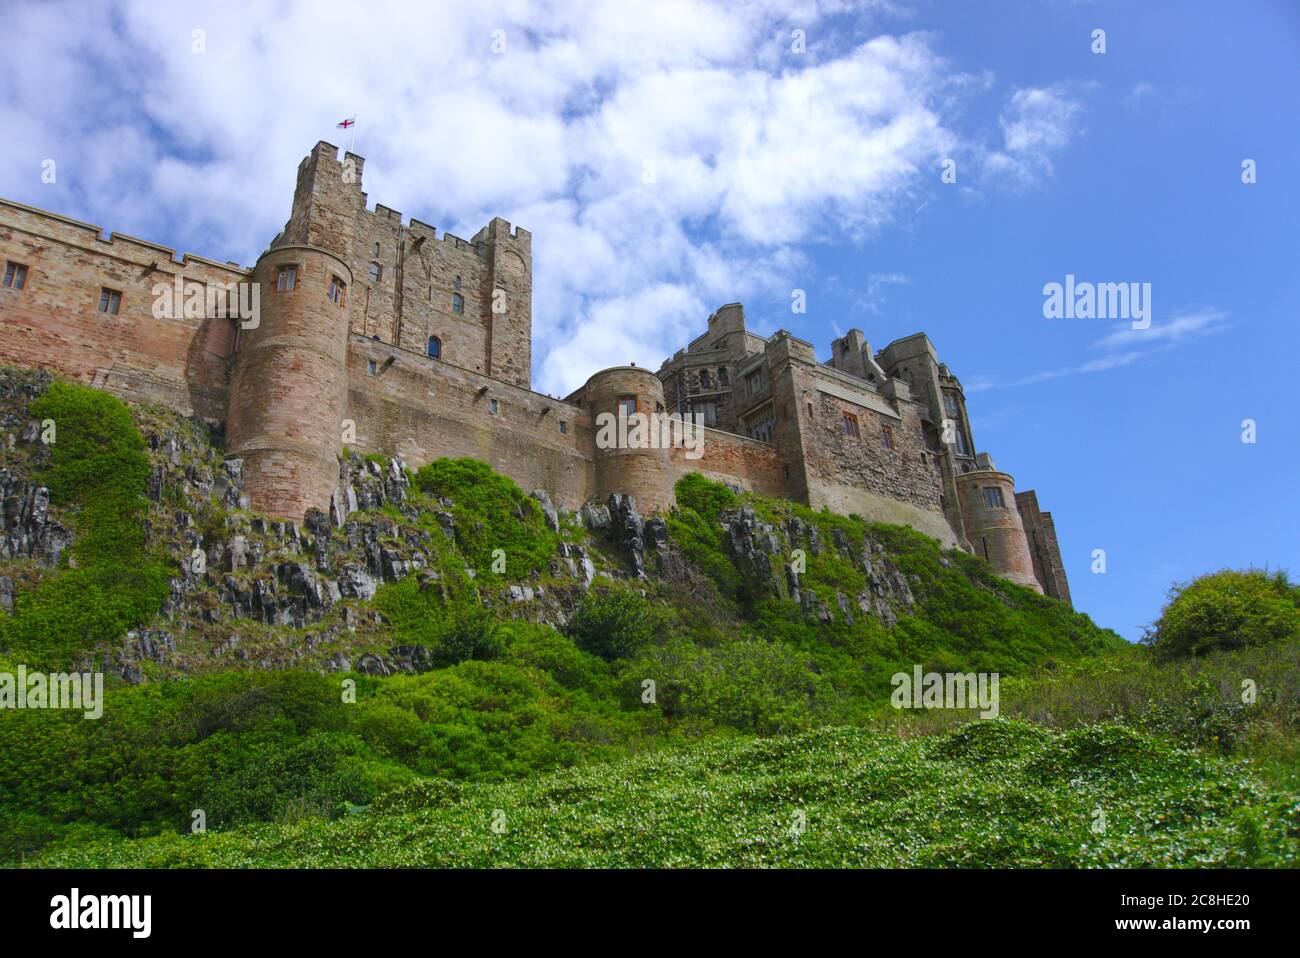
437, 624
992, 794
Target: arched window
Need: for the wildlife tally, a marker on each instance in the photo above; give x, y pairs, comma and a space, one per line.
723, 379
705, 381
435, 347
887, 437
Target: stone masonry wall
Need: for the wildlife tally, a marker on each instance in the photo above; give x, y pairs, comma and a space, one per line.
54, 322
420, 409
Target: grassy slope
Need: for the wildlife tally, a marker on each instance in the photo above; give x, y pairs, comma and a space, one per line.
991, 794
730, 661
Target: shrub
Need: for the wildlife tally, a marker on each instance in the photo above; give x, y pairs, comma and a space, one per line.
613, 623
491, 513
98, 467
1226, 610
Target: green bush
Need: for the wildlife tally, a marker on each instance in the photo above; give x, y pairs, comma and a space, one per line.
613, 623
1226, 610
98, 468
491, 513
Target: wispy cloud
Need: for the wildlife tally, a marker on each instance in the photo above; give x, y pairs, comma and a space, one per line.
1124, 347
1184, 326
1037, 123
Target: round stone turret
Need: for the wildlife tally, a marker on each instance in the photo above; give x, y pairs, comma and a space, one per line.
289, 389
626, 404
993, 525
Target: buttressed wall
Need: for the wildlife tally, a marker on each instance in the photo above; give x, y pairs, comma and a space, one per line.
394, 339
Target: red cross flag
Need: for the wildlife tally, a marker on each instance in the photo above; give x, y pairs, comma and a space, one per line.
344, 124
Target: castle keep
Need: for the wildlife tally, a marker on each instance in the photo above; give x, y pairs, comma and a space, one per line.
390, 338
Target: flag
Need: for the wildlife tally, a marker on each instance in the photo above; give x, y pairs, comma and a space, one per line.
344, 124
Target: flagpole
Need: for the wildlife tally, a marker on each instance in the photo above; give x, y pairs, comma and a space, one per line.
353, 148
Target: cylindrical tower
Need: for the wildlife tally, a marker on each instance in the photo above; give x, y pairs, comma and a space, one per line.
630, 460
993, 526
288, 393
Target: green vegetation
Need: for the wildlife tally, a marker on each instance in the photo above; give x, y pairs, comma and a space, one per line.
993, 794
98, 468
613, 623
1227, 610
492, 513
678, 720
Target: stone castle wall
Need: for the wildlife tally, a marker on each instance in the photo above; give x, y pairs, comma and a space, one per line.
54, 321
427, 353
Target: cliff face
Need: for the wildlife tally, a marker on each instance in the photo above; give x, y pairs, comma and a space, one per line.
245, 591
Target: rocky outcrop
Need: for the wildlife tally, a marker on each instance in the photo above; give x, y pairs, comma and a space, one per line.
29, 531
766, 556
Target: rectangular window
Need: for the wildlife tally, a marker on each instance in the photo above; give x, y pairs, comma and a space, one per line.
457, 303
493, 406
376, 271
962, 448
993, 498
754, 382
15, 275
851, 425
287, 279
626, 406
564, 428
762, 424
708, 409
337, 290
950, 404
109, 301
372, 368
887, 437
456, 283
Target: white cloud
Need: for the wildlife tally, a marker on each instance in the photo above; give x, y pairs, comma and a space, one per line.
754, 150
1183, 326
1037, 123
1126, 346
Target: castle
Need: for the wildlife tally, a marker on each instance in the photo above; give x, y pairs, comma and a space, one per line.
387, 337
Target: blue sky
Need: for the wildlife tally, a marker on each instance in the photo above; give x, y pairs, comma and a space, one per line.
670, 156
